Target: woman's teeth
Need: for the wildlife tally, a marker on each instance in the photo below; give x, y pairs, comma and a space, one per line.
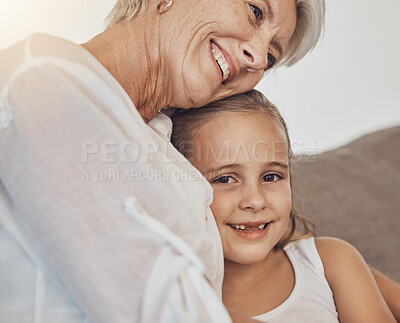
251, 228
221, 61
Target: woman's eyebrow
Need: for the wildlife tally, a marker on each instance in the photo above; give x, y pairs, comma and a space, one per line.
271, 12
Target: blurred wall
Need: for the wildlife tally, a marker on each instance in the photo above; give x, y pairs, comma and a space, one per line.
350, 84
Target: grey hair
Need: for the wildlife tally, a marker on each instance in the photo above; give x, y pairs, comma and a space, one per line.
309, 26
310, 22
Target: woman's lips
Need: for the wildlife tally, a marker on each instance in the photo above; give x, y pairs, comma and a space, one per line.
223, 60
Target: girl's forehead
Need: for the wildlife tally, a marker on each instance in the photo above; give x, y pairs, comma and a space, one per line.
255, 124
231, 138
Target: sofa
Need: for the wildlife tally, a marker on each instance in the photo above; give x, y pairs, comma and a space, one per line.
353, 193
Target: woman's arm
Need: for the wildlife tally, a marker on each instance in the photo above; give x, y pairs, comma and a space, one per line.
390, 291
357, 296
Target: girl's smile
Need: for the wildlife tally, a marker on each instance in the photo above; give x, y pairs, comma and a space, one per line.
250, 231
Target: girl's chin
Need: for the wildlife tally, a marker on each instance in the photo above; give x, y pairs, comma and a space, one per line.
246, 258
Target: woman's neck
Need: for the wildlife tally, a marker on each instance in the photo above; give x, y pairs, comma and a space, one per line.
130, 52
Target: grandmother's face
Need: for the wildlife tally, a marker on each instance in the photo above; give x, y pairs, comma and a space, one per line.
218, 48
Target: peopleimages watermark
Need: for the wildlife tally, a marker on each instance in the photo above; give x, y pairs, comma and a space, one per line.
148, 161
112, 174
111, 151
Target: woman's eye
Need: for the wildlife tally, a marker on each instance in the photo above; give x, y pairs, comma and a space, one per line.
271, 61
256, 11
271, 177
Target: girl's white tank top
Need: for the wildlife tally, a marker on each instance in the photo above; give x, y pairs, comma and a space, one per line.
311, 299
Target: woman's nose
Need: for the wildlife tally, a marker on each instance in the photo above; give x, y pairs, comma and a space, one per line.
253, 199
254, 55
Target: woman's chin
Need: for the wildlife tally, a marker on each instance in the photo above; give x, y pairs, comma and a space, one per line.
196, 92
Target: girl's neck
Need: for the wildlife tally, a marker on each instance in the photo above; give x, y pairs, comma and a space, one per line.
130, 51
260, 287
240, 277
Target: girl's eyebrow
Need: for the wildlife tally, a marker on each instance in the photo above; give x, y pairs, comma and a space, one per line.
267, 164
278, 163
218, 169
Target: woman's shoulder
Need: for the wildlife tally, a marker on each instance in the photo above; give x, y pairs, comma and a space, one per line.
43, 50
42, 45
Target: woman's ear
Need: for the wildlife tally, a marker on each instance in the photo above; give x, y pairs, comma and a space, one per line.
164, 5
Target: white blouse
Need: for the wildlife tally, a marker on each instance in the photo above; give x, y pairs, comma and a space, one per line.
101, 219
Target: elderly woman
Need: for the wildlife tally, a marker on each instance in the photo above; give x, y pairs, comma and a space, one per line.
101, 219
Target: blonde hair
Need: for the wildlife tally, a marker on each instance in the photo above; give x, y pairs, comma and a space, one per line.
310, 22
188, 124
309, 26
125, 10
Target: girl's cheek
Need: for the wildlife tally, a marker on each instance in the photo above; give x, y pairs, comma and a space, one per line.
220, 207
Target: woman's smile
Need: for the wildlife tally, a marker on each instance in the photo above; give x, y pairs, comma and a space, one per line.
222, 61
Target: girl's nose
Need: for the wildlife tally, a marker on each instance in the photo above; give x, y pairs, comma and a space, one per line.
254, 55
254, 199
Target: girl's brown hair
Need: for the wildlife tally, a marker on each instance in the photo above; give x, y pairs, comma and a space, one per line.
188, 124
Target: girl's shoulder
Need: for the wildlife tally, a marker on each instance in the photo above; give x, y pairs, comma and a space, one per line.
339, 258
332, 257
304, 253
356, 295
335, 252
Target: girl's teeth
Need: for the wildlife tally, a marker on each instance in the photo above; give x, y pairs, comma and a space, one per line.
242, 227
221, 61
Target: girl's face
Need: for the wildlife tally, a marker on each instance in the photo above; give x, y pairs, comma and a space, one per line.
245, 158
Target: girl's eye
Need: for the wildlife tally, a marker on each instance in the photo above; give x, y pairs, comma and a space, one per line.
271, 61
271, 177
257, 12
223, 180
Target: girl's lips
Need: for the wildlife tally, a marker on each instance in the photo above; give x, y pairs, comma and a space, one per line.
254, 233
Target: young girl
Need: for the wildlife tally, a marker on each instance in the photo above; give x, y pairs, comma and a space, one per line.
272, 273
